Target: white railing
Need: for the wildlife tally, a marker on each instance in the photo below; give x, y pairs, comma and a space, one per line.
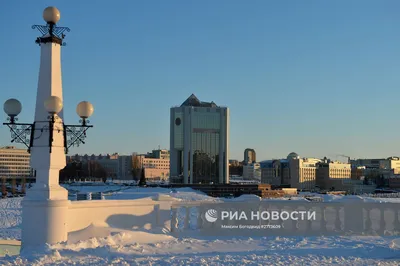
383, 195
337, 218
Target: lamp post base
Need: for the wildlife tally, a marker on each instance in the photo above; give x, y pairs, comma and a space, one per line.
43, 222
43, 192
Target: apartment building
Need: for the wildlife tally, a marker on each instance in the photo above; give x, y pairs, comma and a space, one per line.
14, 163
156, 164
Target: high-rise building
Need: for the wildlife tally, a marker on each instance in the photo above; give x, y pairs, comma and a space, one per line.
199, 142
249, 156
14, 163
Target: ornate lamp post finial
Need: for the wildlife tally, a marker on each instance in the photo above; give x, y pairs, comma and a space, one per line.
51, 33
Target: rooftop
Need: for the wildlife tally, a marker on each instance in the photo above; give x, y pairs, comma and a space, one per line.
194, 101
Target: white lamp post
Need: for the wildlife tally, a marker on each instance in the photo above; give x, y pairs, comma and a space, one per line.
45, 206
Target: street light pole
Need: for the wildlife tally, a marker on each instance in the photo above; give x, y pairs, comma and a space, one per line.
45, 206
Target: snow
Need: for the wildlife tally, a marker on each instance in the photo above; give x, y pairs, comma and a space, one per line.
248, 197
10, 218
94, 188
184, 194
142, 248
111, 246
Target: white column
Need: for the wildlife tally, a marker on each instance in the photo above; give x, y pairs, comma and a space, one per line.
45, 206
46, 164
50, 82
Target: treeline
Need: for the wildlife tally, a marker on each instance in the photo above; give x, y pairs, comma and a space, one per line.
77, 170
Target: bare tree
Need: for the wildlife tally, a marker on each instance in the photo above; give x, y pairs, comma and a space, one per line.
71, 170
96, 170
136, 169
142, 181
13, 186
23, 185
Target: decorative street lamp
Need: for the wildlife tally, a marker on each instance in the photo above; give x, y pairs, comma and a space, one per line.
45, 206
24, 133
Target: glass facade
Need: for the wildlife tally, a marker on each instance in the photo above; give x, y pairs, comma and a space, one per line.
205, 147
205, 137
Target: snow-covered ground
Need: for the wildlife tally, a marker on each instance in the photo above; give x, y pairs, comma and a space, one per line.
158, 247
142, 248
10, 218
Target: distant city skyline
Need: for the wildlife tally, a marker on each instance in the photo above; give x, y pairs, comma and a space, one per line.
315, 78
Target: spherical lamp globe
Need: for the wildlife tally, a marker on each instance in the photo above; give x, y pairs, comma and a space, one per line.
51, 14
84, 109
12, 107
53, 105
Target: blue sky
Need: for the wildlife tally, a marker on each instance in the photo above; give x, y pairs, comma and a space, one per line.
316, 77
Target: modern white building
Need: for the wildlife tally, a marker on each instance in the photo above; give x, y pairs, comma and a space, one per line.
199, 142
14, 163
